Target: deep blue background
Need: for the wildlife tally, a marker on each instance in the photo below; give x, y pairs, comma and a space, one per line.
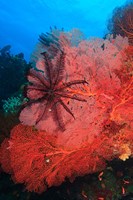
21, 21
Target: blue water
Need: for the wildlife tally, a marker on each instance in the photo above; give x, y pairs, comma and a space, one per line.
21, 21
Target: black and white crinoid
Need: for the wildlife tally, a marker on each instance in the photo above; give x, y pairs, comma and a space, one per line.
48, 90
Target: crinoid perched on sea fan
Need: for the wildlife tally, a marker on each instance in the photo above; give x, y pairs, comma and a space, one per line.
91, 87
47, 91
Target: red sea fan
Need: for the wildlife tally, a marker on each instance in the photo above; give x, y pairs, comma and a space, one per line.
77, 79
39, 161
97, 127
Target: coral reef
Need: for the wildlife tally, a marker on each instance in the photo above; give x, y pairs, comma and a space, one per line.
16, 66
101, 128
